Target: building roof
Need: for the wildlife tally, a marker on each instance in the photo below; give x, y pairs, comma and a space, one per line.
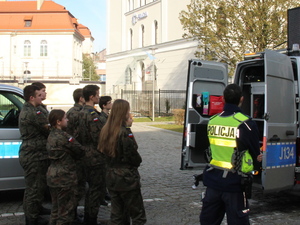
85, 31
51, 17
30, 6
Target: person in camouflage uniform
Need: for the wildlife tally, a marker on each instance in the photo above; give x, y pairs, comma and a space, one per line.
42, 88
89, 130
72, 129
105, 103
73, 113
119, 146
63, 149
33, 157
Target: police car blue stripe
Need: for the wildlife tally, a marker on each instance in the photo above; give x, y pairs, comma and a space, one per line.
9, 150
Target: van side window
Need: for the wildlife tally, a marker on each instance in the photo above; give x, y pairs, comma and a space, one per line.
10, 107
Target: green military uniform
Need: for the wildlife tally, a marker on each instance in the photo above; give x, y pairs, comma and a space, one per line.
123, 181
34, 129
73, 119
103, 117
72, 129
89, 131
63, 149
43, 109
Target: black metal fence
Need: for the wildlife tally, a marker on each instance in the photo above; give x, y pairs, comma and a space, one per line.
164, 101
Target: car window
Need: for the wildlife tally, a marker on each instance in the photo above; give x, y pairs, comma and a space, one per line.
10, 107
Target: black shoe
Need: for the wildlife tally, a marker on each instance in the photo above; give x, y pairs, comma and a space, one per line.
104, 203
93, 221
45, 211
86, 218
29, 221
107, 197
78, 221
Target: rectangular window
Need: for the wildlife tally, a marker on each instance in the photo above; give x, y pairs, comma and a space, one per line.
27, 50
102, 77
28, 23
43, 50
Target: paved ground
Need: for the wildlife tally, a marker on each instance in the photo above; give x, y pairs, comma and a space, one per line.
168, 196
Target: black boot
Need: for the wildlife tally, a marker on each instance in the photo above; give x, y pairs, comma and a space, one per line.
77, 218
93, 221
86, 218
45, 211
30, 221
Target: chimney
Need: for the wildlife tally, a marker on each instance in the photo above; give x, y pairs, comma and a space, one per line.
39, 4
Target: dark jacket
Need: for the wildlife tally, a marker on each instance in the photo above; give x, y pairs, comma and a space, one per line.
63, 149
122, 172
248, 139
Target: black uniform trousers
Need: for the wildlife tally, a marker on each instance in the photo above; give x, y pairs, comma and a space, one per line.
216, 203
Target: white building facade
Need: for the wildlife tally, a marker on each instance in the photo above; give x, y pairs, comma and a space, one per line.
145, 46
41, 41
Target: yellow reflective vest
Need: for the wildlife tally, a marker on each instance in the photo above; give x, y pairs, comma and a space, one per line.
222, 133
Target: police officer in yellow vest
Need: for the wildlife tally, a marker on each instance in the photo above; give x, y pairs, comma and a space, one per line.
229, 132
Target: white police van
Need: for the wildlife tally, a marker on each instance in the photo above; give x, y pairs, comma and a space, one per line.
11, 103
270, 85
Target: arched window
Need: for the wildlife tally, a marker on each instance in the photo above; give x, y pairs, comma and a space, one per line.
130, 39
27, 48
142, 2
155, 31
130, 5
44, 48
128, 77
142, 35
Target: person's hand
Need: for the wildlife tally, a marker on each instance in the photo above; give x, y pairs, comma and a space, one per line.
259, 157
129, 121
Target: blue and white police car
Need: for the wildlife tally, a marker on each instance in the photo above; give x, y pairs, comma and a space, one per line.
11, 173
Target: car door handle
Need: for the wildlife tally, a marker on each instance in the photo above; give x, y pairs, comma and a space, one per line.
275, 138
289, 132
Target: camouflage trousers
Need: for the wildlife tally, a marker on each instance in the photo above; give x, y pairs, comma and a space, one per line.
64, 203
35, 187
81, 180
126, 205
95, 176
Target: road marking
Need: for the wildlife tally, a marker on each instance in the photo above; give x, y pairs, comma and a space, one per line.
12, 214
153, 200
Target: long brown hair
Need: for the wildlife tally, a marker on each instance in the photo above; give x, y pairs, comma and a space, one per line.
109, 134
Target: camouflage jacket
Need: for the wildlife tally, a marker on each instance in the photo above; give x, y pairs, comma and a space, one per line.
43, 109
103, 117
122, 172
63, 149
73, 117
89, 130
34, 129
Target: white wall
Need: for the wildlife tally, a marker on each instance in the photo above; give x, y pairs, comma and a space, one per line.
64, 56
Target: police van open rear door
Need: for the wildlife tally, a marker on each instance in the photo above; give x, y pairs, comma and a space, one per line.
279, 138
205, 84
